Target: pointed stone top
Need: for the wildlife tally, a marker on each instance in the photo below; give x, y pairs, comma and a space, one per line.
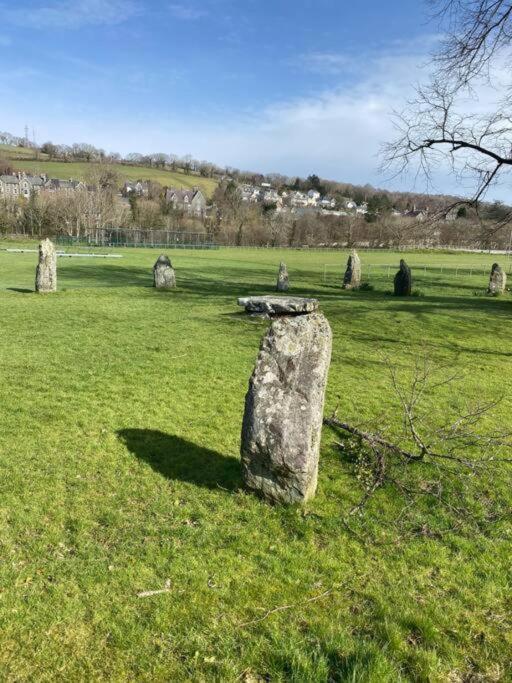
278, 305
163, 260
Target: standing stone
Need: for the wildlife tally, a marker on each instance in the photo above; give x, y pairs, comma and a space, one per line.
498, 281
164, 276
46, 272
283, 283
284, 409
352, 278
403, 280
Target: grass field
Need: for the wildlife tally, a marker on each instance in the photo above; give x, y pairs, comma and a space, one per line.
120, 420
81, 171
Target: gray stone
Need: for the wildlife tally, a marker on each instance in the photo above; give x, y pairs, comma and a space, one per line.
46, 272
403, 280
352, 278
278, 305
284, 409
498, 280
164, 276
283, 283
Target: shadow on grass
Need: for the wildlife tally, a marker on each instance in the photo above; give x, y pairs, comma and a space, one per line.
227, 283
177, 458
19, 290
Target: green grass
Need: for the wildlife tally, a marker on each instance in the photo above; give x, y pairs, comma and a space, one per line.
120, 421
12, 152
81, 171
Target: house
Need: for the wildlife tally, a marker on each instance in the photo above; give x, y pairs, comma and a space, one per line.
417, 215
327, 203
9, 186
57, 185
250, 193
23, 185
137, 187
452, 214
190, 201
298, 199
30, 184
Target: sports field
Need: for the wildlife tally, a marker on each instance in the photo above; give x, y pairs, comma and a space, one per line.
120, 416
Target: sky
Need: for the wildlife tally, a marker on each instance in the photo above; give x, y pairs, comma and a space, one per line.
266, 85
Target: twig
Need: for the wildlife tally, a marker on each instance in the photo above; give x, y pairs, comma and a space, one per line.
283, 608
148, 594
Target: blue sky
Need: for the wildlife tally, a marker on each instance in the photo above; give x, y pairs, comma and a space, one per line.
291, 87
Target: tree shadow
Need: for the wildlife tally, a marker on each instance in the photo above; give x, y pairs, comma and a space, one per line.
177, 458
20, 290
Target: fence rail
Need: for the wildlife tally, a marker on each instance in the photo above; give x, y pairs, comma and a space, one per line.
153, 239
389, 270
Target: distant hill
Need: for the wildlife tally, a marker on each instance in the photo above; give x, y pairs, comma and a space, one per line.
79, 170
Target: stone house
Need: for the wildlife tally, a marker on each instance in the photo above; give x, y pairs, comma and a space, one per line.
190, 201
23, 185
9, 186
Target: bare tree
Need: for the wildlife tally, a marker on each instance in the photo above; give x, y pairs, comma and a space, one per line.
435, 128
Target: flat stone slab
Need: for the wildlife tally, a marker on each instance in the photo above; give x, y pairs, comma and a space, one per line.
278, 305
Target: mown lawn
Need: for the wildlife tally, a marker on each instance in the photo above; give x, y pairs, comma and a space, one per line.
120, 420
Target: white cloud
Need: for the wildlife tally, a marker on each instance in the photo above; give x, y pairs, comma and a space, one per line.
336, 133
187, 12
65, 14
326, 63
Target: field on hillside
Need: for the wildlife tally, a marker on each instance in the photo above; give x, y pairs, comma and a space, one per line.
13, 152
82, 170
120, 422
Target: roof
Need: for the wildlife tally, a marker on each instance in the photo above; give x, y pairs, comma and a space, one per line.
181, 195
35, 180
10, 179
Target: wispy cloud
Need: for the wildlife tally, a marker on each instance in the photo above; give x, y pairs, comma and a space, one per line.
186, 12
65, 14
324, 62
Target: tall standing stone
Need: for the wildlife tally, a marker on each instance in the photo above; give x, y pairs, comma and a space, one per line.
283, 283
498, 280
164, 276
352, 277
284, 409
46, 272
403, 280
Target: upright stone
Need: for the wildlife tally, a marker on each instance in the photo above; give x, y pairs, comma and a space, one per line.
46, 272
403, 280
283, 283
352, 278
498, 280
164, 276
284, 409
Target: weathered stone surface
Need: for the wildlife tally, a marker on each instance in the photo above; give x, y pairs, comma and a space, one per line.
283, 283
164, 276
403, 280
498, 280
278, 305
352, 277
46, 272
284, 409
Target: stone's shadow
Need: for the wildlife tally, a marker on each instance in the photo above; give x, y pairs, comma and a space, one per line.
19, 290
177, 458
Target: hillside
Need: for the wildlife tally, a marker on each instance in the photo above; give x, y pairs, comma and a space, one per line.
80, 170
